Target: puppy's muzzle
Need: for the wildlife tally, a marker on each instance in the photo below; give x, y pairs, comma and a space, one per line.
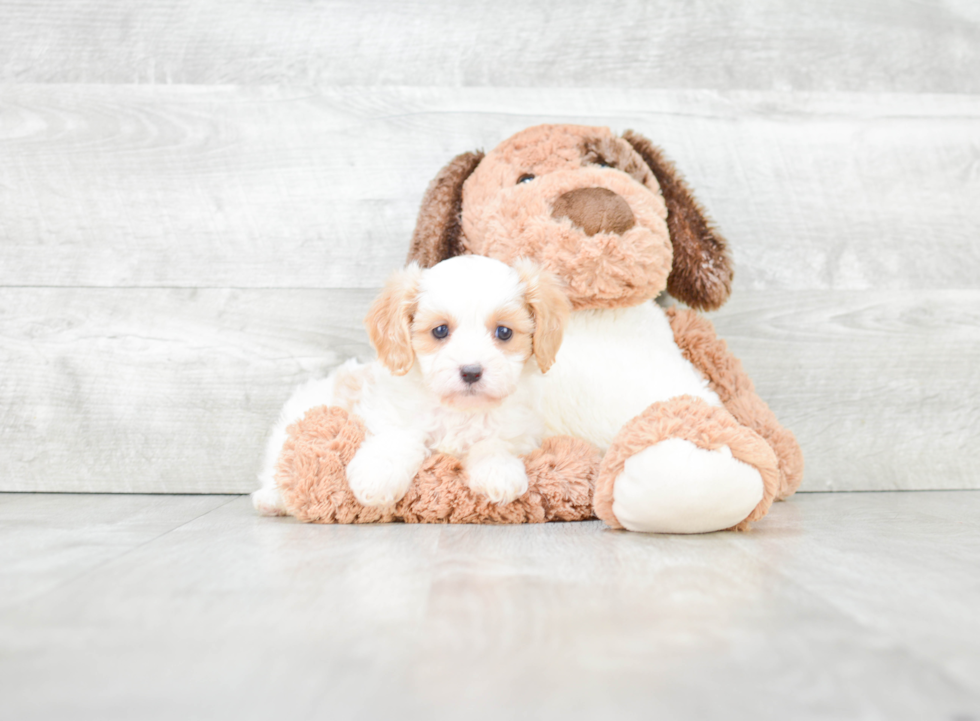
594, 210
471, 373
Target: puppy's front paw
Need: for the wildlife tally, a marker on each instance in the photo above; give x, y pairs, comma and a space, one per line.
500, 478
378, 481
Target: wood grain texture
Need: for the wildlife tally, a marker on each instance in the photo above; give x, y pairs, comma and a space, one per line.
175, 390
885, 574
877, 45
266, 187
836, 606
198, 199
48, 541
157, 390
879, 386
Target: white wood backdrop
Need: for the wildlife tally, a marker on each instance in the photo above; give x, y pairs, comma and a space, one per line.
197, 201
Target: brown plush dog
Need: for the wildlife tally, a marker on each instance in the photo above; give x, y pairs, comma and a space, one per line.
685, 443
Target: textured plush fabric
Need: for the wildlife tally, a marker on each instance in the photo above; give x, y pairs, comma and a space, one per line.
562, 473
311, 477
689, 419
507, 205
594, 210
695, 335
437, 230
702, 272
510, 201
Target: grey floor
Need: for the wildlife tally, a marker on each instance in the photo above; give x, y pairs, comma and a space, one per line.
860, 605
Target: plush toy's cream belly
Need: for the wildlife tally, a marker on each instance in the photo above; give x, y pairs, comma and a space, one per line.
611, 366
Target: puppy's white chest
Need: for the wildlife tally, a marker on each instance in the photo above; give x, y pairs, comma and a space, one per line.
612, 365
514, 423
454, 432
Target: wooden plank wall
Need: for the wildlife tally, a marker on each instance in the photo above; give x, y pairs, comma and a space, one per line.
198, 199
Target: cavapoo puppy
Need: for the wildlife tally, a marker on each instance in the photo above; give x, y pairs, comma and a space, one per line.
460, 348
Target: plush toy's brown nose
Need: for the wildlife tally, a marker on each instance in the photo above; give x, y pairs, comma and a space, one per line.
594, 210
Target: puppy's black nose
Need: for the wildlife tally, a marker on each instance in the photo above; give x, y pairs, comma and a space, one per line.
471, 374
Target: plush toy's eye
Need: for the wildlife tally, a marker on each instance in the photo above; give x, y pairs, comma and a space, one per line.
440, 331
503, 333
527, 177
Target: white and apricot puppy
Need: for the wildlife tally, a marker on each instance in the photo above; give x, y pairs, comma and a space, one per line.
460, 348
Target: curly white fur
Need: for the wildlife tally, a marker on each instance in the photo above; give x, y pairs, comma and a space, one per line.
429, 406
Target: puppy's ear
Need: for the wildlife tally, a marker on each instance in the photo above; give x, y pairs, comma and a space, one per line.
438, 233
702, 270
550, 308
389, 322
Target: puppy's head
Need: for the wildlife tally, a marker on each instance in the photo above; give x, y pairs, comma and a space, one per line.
472, 323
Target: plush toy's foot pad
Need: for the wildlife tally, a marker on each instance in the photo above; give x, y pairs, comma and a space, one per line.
311, 476
683, 466
677, 487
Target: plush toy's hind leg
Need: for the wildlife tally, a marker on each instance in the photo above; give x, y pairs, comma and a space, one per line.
695, 335
683, 466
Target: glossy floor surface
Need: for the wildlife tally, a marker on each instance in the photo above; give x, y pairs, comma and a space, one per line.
837, 606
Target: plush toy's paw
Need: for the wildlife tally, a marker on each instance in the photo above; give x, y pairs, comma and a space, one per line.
378, 480
683, 466
268, 501
501, 478
676, 487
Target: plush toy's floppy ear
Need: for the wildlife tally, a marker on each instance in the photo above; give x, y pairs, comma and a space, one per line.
437, 230
389, 322
550, 308
702, 271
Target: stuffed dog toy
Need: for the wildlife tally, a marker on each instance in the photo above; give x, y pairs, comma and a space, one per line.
654, 425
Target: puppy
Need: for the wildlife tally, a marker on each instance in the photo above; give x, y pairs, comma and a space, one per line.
460, 348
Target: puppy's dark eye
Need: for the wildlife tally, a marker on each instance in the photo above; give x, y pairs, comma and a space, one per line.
527, 177
503, 333
603, 164
440, 331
